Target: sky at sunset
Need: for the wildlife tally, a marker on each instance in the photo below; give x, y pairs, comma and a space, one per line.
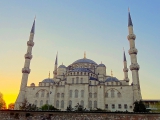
99, 27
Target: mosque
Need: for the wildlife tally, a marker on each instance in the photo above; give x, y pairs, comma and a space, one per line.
84, 82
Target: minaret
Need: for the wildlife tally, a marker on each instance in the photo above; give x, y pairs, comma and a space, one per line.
26, 69
125, 69
134, 67
55, 67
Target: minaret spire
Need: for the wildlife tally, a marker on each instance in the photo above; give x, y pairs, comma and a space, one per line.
26, 69
134, 67
55, 67
125, 69
129, 18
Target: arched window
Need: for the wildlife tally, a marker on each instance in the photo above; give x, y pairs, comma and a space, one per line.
76, 93
111, 83
62, 95
37, 95
119, 94
112, 93
81, 80
35, 102
62, 104
42, 94
82, 103
90, 82
95, 104
95, 95
90, 95
90, 104
47, 102
77, 79
47, 95
106, 95
58, 95
70, 93
82, 93
72, 80
70, 103
57, 104
94, 82
41, 103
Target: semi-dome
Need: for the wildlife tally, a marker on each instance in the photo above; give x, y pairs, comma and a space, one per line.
112, 79
85, 60
101, 65
32, 84
48, 80
62, 66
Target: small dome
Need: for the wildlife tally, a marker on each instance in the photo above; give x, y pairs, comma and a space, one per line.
48, 80
112, 79
62, 66
85, 60
32, 84
101, 65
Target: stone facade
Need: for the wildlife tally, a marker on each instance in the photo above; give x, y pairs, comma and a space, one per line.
84, 82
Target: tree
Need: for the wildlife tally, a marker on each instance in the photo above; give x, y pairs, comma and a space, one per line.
79, 107
48, 107
11, 106
139, 107
69, 108
2, 102
157, 107
27, 106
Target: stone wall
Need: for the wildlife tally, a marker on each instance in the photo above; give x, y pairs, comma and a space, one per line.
57, 115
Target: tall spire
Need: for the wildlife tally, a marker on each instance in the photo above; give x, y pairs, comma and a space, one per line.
56, 62
124, 57
55, 67
33, 27
134, 67
25, 70
129, 19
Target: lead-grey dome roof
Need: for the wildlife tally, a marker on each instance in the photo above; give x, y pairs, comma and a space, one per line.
62, 66
112, 79
101, 65
85, 60
48, 80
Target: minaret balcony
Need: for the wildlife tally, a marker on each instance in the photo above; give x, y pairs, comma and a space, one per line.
30, 43
131, 37
26, 70
125, 69
28, 56
132, 51
134, 66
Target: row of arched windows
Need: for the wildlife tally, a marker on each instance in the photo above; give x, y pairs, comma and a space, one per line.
76, 93
94, 104
77, 80
93, 95
112, 94
62, 95
58, 104
42, 94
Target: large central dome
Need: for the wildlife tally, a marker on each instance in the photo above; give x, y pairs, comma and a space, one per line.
85, 60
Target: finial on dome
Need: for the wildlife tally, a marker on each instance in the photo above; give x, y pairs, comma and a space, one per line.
85, 55
111, 73
129, 18
62, 63
101, 62
49, 75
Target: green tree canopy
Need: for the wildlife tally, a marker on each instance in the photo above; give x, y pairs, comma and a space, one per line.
139, 107
48, 107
